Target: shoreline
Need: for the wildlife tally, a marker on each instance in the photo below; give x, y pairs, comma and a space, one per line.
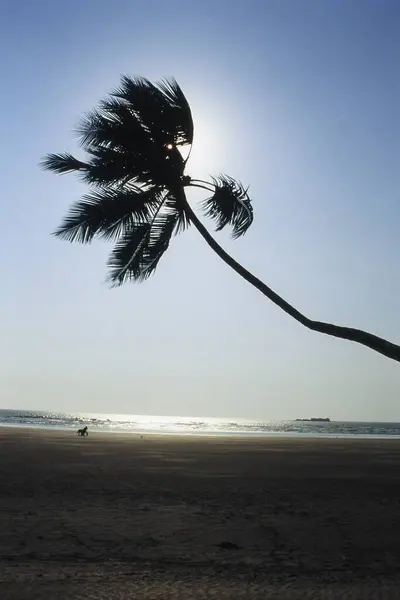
213, 435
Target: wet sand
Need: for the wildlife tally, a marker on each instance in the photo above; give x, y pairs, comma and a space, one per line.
111, 516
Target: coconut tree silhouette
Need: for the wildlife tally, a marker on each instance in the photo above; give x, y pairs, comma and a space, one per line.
136, 176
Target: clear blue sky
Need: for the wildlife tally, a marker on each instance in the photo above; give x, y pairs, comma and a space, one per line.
299, 99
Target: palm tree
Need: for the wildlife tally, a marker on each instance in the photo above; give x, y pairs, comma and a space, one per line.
136, 176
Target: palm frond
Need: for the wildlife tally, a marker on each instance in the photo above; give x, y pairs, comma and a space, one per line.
126, 258
149, 106
109, 167
113, 125
108, 214
181, 108
173, 206
229, 205
62, 163
162, 109
137, 254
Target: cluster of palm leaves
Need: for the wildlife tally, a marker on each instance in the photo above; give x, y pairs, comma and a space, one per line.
135, 170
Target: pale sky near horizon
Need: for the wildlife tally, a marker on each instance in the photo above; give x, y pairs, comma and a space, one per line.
300, 100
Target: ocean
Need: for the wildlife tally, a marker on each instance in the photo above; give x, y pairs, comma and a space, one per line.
139, 424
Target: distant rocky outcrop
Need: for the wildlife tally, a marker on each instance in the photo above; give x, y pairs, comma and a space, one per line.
319, 419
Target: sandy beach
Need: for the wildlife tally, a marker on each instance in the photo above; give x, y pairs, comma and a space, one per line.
114, 517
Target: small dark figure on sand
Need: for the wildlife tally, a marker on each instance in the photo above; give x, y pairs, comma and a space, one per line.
83, 431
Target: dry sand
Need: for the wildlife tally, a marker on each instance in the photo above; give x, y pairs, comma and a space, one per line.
113, 517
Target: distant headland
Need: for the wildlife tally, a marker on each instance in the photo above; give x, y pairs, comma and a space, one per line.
324, 420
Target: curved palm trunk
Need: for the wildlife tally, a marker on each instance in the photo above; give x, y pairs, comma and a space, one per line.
347, 333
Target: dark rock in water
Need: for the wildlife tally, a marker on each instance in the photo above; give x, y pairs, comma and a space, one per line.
318, 419
228, 546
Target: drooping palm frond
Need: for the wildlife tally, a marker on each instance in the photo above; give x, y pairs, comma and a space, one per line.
136, 255
172, 204
126, 258
108, 214
229, 205
62, 163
